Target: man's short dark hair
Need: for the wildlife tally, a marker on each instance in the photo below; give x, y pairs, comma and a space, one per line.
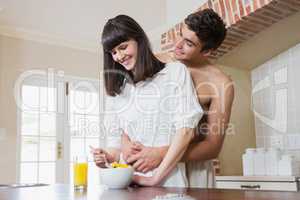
209, 28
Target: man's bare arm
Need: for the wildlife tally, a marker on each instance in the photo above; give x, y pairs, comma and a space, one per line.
218, 119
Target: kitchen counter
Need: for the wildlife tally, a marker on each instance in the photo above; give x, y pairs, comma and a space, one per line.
65, 192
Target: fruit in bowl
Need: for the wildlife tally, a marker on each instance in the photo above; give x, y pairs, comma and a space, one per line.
118, 176
118, 165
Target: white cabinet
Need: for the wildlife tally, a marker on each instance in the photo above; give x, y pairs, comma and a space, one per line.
275, 183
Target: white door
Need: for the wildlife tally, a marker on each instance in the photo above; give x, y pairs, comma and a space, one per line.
83, 128
56, 123
38, 131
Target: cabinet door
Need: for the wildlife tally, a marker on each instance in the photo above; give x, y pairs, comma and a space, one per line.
250, 185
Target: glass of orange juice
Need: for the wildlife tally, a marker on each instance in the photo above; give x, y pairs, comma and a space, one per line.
80, 172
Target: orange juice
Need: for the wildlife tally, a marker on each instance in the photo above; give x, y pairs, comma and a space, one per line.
80, 175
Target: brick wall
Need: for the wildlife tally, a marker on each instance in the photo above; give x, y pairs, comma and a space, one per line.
243, 18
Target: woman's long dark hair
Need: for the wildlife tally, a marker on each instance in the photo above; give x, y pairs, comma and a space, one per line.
117, 30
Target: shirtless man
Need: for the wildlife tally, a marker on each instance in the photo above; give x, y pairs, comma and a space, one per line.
203, 32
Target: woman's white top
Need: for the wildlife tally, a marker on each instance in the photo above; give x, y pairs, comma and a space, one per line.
152, 111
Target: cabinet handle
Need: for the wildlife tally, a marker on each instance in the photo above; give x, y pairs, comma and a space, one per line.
250, 186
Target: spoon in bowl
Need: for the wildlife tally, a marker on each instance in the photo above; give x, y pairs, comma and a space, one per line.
107, 165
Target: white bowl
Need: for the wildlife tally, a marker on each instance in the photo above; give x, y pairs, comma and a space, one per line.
116, 178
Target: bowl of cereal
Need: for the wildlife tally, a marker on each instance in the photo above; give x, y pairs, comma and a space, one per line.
117, 176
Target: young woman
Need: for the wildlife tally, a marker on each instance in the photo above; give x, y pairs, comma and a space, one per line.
153, 102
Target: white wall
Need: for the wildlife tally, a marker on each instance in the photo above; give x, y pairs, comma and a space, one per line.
177, 10
241, 132
277, 123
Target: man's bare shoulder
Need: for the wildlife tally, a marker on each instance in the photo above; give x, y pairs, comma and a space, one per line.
217, 75
209, 73
224, 82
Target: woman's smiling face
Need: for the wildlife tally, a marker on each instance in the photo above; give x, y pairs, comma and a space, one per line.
126, 54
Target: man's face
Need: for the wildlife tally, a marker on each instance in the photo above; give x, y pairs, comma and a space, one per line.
188, 47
